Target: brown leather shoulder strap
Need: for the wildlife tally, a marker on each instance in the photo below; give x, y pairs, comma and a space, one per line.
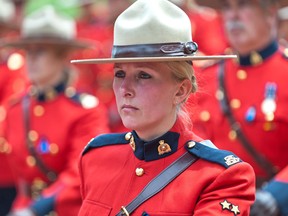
159, 182
266, 165
51, 175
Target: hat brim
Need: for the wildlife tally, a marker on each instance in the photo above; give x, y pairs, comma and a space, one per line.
151, 59
26, 42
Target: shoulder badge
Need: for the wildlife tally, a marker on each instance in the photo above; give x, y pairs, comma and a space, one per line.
105, 140
207, 151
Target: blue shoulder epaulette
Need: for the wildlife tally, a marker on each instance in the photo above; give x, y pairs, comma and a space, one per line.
105, 140
207, 151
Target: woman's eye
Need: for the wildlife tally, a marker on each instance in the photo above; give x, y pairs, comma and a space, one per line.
144, 75
119, 74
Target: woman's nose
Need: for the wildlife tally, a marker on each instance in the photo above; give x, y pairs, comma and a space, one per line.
127, 87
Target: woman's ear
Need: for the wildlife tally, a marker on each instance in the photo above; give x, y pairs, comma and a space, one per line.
184, 90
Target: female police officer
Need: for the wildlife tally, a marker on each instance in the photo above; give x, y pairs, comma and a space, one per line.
153, 78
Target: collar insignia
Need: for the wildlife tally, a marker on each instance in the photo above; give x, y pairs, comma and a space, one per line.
129, 136
163, 147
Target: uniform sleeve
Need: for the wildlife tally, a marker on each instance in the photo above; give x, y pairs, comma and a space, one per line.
64, 194
278, 187
231, 193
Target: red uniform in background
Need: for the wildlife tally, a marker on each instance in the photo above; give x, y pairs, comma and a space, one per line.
256, 88
206, 23
12, 81
62, 121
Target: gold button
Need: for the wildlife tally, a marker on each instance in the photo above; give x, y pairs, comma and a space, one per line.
191, 144
53, 148
139, 171
232, 135
38, 110
70, 92
128, 135
205, 116
286, 52
268, 126
241, 74
15, 61
30, 160
235, 103
219, 95
33, 135
4, 146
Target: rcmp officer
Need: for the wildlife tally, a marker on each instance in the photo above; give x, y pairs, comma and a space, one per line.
50, 123
11, 82
153, 77
242, 107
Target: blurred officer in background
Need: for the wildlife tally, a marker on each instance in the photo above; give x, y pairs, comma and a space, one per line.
243, 104
11, 82
50, 124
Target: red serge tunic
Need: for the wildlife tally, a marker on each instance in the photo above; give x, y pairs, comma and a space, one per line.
113, 174
258, 98
60, 126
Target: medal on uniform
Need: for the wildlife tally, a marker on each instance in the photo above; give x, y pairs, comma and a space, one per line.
43, 146
250, 114
268, 105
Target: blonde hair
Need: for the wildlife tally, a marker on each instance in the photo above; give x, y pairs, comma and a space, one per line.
181, 71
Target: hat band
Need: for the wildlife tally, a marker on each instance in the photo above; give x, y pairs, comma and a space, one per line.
155, 50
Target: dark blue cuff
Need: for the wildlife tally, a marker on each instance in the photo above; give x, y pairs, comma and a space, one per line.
279, 190
43, 205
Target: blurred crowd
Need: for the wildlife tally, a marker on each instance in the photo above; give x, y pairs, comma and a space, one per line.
50, 109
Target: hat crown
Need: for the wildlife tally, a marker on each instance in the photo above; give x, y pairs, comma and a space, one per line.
7, 10
46, 22
152, 22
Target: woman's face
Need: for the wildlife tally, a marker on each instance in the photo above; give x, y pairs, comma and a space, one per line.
42, 64
146, 96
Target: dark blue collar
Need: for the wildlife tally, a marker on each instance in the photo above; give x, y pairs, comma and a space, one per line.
257, 57
50, 93
149, 151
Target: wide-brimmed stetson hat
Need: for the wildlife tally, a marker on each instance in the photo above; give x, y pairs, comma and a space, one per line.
7, 12
152, 30
47, 27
